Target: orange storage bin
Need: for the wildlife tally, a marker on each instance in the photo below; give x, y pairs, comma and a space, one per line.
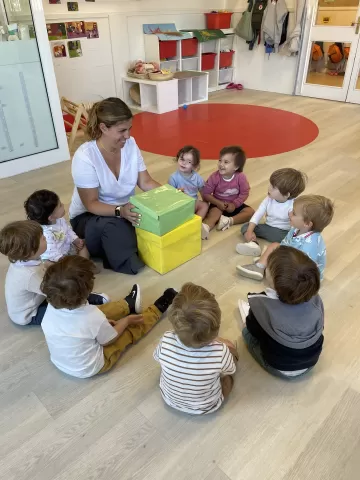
167, 49
189, 47
208, 61
226, 59
216, 21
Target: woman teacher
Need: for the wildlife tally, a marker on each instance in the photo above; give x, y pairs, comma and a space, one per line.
106, 171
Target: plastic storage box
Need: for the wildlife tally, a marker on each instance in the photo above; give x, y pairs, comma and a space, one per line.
208, 61
177, 247
216, 21
163, 209
226, 59
167, 49
189, 47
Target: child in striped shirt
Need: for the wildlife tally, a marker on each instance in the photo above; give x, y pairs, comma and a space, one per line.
196, 365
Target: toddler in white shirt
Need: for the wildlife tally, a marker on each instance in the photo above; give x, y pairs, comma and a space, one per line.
285, 185
45, 208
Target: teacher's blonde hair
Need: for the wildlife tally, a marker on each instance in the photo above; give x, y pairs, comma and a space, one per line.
109, 112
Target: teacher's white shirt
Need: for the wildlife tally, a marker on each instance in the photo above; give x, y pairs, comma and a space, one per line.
89, 170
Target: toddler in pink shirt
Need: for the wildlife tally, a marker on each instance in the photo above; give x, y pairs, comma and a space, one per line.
226, 191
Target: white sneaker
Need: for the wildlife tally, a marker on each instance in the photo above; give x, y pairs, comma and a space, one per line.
224, 223
250, 248
205, 230
244, 309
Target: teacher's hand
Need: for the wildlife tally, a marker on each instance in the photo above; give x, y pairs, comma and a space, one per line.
132, 217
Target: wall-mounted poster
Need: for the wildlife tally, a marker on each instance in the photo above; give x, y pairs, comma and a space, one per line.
91, 30
75, 49
75, 29
73, 6
56, 31
59, 50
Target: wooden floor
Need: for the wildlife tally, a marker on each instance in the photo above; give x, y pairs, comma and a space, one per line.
116, 427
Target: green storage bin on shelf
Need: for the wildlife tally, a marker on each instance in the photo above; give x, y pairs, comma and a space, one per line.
163, 209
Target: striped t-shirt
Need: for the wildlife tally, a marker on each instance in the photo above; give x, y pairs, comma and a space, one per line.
190, 377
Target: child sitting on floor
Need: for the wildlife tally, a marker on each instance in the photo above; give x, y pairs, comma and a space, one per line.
23, 243
284, 324
285, 185
187, 179
45, 208
226, 190
196, 365
84, 340
311, 214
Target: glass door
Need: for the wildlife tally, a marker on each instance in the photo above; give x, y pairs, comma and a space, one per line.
31, 126
353, 95
331, 50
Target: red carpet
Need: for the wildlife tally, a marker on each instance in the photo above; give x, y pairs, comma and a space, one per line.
261, 131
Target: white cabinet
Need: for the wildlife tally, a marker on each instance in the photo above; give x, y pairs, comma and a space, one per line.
166, 96
218, 77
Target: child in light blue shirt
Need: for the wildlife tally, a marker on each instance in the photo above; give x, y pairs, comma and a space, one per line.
311, 214
187, 179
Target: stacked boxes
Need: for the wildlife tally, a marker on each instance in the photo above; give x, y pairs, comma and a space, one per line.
169, 233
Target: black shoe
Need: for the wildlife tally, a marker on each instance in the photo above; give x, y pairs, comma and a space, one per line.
98, 298
166, 299
134, 299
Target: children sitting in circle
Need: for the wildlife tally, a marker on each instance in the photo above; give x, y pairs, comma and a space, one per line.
226, 191
187, 179
45, 208
83, 339
196, 365
285, 185
284, 324
310, 215
87, 334
23, 242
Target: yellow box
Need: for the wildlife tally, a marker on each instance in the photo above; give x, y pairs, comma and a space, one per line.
172, 249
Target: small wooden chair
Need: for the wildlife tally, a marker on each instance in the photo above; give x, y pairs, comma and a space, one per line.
79, 119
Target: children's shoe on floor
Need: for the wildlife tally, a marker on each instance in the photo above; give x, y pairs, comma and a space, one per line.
224, 223
166, 299
134, 299
205, 230
98, 298
249, 248
244, 309
252, 271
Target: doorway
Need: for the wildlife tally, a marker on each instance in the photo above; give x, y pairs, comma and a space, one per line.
329, 65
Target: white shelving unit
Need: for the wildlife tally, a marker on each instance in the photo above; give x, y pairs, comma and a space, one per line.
155, 97
218, 78
161, 97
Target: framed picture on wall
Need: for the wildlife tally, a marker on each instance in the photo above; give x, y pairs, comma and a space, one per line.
56, 31
59, 50
91, 30
75, 29
75, 49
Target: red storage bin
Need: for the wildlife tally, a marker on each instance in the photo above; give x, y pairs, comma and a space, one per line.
189, 47
216, 21
226, 59
167, 49
208, 61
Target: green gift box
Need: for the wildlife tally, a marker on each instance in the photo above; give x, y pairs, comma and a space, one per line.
163, 209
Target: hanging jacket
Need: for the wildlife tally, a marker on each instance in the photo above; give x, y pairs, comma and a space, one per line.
273, 21
292, 44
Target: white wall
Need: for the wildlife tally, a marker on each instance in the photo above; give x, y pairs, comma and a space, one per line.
256, 70
105, 60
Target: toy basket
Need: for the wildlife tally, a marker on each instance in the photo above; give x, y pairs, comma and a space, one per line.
159, 77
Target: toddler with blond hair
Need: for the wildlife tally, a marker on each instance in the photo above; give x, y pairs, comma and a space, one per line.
196, 365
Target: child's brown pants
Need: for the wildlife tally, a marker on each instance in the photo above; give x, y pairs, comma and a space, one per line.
132, 334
